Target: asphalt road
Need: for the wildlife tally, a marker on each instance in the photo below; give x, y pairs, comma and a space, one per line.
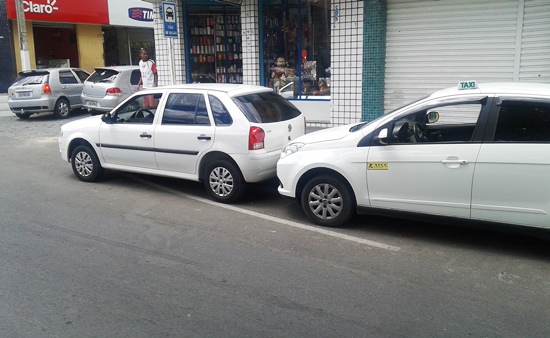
139, 256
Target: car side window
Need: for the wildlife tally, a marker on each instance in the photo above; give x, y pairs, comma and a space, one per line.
135, 76
82, 75
437, 124
186, 108
220, 113
520, 121
138, 110
67, 77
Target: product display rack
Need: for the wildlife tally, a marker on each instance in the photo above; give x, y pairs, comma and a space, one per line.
215, 48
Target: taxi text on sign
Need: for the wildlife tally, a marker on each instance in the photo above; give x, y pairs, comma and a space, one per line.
169, 19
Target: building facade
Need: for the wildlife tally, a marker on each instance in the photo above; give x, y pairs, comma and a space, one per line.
6, 53
344, 61
83, 34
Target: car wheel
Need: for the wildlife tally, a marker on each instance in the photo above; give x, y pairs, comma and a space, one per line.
62, 109
85, 164
23, 116
223, 181
327, 201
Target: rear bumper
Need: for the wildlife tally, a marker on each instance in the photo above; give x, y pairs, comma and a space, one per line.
32, 105
258, 167
101, 104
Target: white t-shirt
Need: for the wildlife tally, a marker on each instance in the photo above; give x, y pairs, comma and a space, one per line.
148, 70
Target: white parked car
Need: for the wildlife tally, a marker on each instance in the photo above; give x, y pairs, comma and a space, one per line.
476, 152
222, 134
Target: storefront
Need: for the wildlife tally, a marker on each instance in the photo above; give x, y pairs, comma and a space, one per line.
84, 34
345, 61
214, 44
220, 43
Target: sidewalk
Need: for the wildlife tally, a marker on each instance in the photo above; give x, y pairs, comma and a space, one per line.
4, 108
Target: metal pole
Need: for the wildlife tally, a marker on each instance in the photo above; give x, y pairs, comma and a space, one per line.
129, 46
22, 30
171, 57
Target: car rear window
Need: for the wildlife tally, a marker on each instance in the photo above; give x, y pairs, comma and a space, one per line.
266, 107
31, 78
103, 76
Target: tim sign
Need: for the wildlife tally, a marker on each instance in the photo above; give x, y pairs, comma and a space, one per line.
140, 14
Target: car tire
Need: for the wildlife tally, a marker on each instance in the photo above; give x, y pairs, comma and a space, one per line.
328, 201
23, 116
85, 164
223, 181
62, 109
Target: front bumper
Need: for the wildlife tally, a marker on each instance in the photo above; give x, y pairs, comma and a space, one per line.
288, 173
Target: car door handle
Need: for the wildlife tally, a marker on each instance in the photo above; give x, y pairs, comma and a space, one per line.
454, 161
145, 135
204, 137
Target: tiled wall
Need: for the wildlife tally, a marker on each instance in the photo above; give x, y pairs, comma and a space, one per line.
164, 53
346, 61
374, 56
250, 41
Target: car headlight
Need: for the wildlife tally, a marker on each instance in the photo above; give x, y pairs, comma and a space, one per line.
291, 149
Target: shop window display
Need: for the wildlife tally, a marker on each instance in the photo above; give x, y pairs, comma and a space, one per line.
296, 48
215, 48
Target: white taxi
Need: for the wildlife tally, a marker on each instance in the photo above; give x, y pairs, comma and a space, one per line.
224, 135
477, 152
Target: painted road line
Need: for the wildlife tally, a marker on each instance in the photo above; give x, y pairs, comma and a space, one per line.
269, 218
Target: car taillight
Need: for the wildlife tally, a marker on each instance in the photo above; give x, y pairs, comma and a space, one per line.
256, 138
46, 89
114, 91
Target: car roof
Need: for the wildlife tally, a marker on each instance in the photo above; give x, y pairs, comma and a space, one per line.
497, 87
117, 68
230, 88
45, 70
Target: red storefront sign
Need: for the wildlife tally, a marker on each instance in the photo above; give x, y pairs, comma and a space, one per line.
73, 11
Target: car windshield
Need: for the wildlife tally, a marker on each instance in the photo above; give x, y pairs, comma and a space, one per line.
103, 76
364, 124
30, 79
266, 107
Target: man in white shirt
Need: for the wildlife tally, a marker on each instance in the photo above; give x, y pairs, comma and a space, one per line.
149, 77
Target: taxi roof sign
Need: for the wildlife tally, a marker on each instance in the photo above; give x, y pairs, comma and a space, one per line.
467, 85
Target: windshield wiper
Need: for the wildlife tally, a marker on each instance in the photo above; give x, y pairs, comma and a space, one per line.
359, 126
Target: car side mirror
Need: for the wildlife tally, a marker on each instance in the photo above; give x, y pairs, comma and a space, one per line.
107, 118
432, 117
382, 136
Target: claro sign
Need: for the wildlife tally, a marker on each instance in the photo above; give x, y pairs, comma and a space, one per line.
70, 11
33, 7
129, 13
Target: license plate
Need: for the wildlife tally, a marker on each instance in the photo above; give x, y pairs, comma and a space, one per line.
24, 94
91, 103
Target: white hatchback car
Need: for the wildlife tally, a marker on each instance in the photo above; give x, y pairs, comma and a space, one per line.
222, 134
477, 152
